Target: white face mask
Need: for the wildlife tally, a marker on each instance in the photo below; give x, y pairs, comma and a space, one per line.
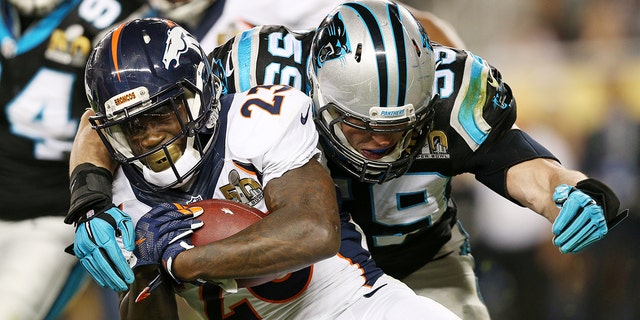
166, 177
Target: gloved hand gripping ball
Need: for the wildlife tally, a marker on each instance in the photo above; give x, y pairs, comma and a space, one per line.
163, 233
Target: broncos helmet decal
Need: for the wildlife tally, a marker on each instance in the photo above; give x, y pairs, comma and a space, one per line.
178, 41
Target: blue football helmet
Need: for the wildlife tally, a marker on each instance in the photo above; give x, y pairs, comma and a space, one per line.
150, 70
372, 62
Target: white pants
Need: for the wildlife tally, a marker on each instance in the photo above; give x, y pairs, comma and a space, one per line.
34, 268
451, 280
393, 300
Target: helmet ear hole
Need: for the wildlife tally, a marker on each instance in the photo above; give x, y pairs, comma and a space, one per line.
358, 53
416, 47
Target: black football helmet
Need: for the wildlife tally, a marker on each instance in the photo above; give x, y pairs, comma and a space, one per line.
153, 68
372, 61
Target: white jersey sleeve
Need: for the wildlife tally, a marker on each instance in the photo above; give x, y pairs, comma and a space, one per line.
271, 128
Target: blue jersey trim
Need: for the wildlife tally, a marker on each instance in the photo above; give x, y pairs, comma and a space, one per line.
470, 103
244, 57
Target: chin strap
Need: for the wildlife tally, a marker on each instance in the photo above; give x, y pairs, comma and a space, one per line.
606, 198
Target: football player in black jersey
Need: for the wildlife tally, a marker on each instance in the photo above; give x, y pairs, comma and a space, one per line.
43, 50
393, 155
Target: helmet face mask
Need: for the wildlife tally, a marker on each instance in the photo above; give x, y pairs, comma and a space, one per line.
159, 121
372, 69
337, 147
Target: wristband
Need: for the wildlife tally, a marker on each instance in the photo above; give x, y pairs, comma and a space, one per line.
91, 189
606, 198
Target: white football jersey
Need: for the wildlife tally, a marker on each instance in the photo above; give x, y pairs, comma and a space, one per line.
263, 133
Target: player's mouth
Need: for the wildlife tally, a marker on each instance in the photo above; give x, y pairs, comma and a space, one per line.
376, 154
159, 160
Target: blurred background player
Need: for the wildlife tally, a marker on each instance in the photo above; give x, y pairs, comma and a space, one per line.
43, 50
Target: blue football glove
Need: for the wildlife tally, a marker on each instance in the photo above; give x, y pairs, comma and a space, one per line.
581, 221
163, 233
99, 251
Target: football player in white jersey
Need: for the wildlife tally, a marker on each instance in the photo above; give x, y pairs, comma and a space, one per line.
44, 45
160, 111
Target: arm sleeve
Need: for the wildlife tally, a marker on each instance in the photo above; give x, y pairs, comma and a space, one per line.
491, 164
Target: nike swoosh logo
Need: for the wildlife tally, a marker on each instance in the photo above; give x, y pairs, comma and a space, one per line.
370, 294
303, 118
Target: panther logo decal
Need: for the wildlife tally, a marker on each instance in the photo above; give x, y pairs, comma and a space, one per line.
426, 42
333, 41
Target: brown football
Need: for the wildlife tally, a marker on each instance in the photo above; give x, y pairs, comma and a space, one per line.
223, 218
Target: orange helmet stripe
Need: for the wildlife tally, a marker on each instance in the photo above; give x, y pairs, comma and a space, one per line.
114, 48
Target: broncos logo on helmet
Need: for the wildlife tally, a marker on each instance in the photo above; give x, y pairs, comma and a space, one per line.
178, 42
334, 40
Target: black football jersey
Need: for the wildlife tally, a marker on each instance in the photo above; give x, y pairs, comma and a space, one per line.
406, 220
42, 97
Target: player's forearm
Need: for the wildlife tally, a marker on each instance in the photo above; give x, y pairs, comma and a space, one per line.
533, 182
251, 255
88, 148
303, 228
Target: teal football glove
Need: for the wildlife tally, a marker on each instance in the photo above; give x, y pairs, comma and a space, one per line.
580, 222
96, 245
163, 233
587, 212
